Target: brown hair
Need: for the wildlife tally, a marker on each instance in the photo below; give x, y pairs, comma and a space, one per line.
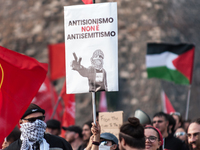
133, 133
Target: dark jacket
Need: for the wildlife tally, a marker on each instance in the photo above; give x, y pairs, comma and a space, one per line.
173, 143
53, 141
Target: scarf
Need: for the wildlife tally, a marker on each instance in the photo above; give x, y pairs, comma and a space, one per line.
32, 133
97, 63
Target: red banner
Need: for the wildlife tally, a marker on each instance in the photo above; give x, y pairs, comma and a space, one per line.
103, 102
69, 111
57, 60
20, 79
87, 1
46, 98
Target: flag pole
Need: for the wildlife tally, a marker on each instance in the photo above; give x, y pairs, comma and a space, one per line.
188, 103
163, 101
54, 109
94, 107
93, 99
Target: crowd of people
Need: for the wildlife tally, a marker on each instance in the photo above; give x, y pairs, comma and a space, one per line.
163, 132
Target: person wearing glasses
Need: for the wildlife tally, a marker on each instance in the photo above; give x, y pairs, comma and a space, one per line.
108, 141
193, 135
103, 141
181, 134
153, 138
160, 121
131, 137
33, 137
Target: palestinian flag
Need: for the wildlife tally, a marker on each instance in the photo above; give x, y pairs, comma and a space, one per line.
172, 62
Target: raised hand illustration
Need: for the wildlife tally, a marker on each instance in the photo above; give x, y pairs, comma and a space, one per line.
76, 63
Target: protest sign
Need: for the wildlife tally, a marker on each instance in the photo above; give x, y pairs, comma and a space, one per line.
91, 48
111, 122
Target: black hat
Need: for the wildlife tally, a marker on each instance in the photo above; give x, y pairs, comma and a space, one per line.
75, 129
53, 124
32, 109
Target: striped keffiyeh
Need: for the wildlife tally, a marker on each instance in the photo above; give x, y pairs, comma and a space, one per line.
32, 133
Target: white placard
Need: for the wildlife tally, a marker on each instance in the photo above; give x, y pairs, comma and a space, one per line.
91, 47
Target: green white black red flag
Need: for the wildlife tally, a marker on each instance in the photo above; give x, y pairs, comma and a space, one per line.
172, 62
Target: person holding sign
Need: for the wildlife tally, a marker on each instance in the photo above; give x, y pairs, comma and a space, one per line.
103, 141
96, 74
131, 136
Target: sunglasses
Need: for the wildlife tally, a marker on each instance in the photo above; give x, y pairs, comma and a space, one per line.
35, 118
151, 138
159, 121
104, 143
179, 134
175, 113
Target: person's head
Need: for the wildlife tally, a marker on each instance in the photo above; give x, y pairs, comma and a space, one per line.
186, 123
131, 135
32, 123
193, 135
33, 113
172, 123
97, 59
181, 134
153, 138
53, 127
108, 140
72, 133
87, 130
178, 119
13, 136
161, 122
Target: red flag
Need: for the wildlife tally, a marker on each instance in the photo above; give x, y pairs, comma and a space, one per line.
87, 1
167, 106
184, 63
20, 79
69, 111
46, 98
103, 102
57, 60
